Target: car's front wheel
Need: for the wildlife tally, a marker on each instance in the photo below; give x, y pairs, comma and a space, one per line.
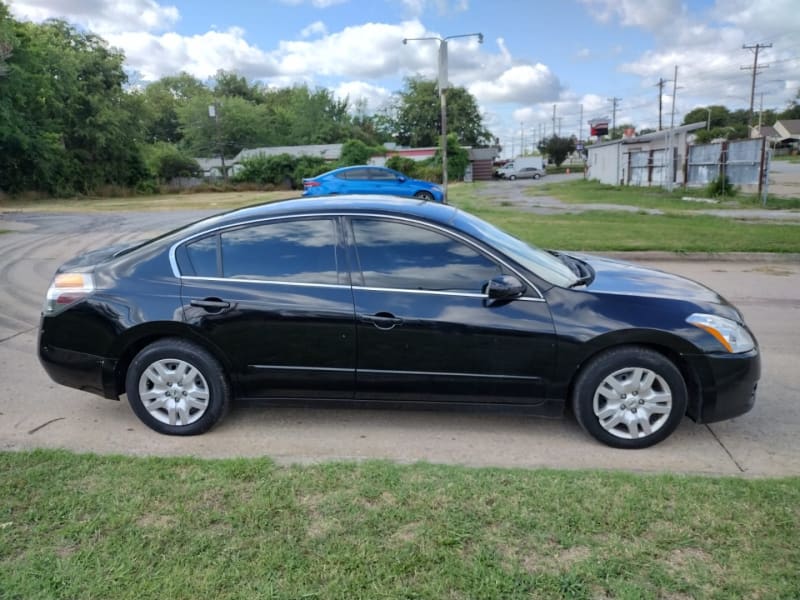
423, 195
178, 388
630, 397
512, 177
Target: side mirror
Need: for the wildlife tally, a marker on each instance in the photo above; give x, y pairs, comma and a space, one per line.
401, 179
505, 287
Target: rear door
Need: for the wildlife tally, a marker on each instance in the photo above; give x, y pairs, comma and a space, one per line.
275, 298
426, 329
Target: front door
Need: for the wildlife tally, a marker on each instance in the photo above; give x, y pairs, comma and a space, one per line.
426, 329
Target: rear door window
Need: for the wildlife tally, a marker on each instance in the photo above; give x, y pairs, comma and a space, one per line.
299, 251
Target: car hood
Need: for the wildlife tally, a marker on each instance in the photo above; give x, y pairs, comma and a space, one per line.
619, 277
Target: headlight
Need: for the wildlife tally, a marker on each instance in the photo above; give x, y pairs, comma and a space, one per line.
730, 334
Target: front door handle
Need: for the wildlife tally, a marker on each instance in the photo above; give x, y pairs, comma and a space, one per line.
382, 320
211, 304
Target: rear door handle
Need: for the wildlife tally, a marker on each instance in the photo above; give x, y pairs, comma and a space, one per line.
382, 320
211, 304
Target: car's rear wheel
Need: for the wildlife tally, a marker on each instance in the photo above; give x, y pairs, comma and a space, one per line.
536, 176
178, 388
630, 397
423, 195
512, 177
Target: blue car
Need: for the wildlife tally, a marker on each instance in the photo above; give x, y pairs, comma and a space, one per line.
370, 180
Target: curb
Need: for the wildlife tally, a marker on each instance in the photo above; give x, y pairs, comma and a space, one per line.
656, 256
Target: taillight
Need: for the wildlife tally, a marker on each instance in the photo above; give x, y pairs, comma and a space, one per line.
310, 184
66, 289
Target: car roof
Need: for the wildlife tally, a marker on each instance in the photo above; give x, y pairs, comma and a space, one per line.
372, 203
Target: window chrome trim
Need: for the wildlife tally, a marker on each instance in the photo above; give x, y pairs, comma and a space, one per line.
267, 281
388, 216
436, 293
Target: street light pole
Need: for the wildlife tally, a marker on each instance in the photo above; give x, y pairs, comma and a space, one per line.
443, 92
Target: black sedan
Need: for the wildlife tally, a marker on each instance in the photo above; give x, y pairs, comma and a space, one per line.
392, 302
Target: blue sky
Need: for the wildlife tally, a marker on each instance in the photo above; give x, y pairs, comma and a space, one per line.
535, 54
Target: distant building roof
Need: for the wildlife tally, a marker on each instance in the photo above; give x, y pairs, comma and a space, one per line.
326, 151
766, 131
206, 164
649, 137
791, 125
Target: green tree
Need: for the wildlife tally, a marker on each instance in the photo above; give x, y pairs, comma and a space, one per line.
167, 162
356, 152
792, 109
414, 117
557, 148
66, 124
457, 158
720, 116
231, 84
160, 102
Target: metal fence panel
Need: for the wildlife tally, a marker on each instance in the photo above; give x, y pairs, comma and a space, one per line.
640, 166
744, 161
703, 163
660, 167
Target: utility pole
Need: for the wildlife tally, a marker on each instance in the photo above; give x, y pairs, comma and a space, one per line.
614, 101
443, 85
671, 137
755, 69
213, 112
559, 126
660, 85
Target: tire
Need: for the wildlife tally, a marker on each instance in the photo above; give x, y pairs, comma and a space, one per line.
423, 195
512, 177
174, 368
536, 176
629, 397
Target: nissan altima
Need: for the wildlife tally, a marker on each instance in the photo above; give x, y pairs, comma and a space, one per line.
381, 301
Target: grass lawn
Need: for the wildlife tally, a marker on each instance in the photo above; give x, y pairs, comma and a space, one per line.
625, 231
83, 526
593, 192
677, 230
204, 200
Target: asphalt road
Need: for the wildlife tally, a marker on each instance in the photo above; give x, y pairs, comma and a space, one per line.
36, 413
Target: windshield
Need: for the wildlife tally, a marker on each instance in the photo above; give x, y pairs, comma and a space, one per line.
536, 260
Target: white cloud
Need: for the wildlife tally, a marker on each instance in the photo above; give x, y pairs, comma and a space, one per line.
524, 84
315, 3
648, 14
773, 19
200, 55
316, 28
374, 96
371, 50
443, 7
101, 16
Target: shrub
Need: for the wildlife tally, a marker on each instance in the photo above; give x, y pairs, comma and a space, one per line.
407, 166
281, 170
721, 186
